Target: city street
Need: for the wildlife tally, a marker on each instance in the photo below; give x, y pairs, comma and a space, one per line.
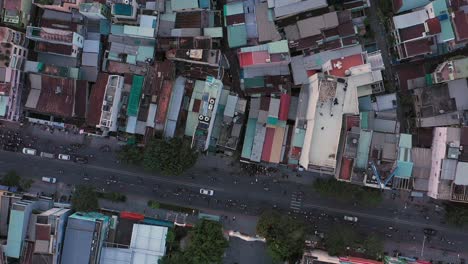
400, 222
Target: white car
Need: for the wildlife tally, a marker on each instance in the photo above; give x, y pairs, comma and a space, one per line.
29, 151
206, 192
351, 218
49, 179
64, 157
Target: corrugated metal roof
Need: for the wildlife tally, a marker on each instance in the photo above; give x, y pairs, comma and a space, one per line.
214, 32
273, 110
237, 35
183, 4
405, 141
284, 107
135, 94
91, 46
293, 108
299, 136
90, 59
268, 144
448, 171
259, 138
234, 8
15, 233
404, 169
254, 108
149, 239
278, 47
231, 105
266, 27
295, 7
365, 138
461, 176
249, 138
383, 125
277, 144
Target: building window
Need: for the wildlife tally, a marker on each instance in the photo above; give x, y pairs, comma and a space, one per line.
24, 53
14, 50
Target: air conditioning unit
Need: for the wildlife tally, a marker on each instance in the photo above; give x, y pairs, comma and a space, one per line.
210, 107
207, 119
201, 117
211, 101
127, 2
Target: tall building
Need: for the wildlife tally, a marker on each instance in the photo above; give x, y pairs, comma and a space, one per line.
84, 237
19, 220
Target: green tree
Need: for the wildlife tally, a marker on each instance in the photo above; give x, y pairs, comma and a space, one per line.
25, 184
339, 239
285, 236
347, 192
85, 199
207, 243
373, 246
171, 157
11, 179
456, 214
130, 154
176, 258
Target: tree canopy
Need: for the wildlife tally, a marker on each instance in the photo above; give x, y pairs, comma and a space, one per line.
347, 192
206, 246
85, 199
13, 179
342, 237
456, 214
171, 157
130, 154
285, 236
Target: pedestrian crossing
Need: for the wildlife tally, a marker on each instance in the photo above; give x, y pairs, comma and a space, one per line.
296, 202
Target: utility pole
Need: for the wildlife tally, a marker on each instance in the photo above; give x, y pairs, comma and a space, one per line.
422, 248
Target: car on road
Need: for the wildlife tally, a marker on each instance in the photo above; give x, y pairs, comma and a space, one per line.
81, 160
47, 155
64, 157
29, 151
350, 218
429, 231
49, 179
206, 192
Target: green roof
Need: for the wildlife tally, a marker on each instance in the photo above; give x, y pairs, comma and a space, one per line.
255, 82
135, 94
364, 120
362, 158
214, 32
237, 35
191, 123
117, 29
365, 103
404, 169
249, 138
15, 234
183, 4
3, 105
90, 216
405, 141
272, 120
144, 53
278, 47
123, 9
446, 30
234, 8
299, 137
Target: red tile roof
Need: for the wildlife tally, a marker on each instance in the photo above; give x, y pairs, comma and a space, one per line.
5, 88
346, 29
251, 58
408, 72
81, 98
346, 167
53, 102
434, 25
339, 66
460, 22
163, 102
412, 32
95, 100
235, 19
268, 144
285, 101
418, 47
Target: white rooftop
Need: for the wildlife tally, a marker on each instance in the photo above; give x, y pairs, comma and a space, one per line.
410, 19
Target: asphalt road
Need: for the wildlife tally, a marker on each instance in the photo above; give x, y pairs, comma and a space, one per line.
243, 197
238, 193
